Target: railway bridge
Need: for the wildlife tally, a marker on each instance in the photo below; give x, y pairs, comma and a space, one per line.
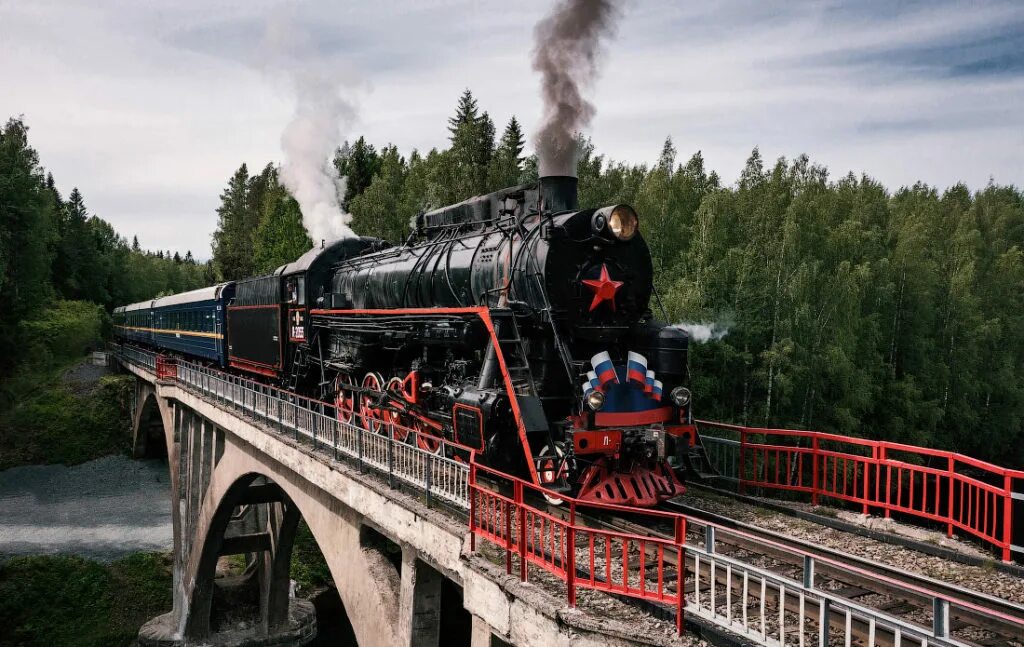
425, 549
399, 559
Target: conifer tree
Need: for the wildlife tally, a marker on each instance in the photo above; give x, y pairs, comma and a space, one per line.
232, 240
357, 164
281, 236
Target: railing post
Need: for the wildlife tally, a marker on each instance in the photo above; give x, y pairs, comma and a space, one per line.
429, 474
471, 483
334, 436
940, 618
814, 470
867, 479
509, 545
570, 558
883, 462
359, 447
1007, 516
709, 538
741, 468
517, 496
680, 540
951, 463
391, 455
808, 571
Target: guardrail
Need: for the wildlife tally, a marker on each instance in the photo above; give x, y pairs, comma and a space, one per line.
764, 606
387, 447
636, 566
961, 492
737, 595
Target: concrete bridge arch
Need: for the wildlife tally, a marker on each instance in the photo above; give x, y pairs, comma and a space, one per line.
152, 428
234, 499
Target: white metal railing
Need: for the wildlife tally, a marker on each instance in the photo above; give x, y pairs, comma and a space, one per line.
385, 447
775, 610
141, 358
724, 455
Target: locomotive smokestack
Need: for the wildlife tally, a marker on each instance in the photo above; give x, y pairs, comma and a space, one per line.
558, 193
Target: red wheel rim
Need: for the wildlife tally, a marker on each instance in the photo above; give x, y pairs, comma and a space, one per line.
345, 400
394, 418
371, 414
426, 439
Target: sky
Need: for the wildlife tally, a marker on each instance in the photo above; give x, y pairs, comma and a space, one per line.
149, 107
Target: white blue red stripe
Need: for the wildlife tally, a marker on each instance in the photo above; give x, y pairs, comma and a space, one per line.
604, 368
592, 379
636, 368
649, 382
656, 393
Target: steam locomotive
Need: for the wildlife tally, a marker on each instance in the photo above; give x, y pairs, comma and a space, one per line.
514, 324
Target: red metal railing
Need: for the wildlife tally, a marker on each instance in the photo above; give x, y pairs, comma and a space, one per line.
961, 492
583, 556
166, 368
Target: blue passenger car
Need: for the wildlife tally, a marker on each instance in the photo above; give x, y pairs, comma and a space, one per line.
191, 323
132, 323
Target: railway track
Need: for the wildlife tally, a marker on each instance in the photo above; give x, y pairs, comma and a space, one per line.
862, 577
945, 611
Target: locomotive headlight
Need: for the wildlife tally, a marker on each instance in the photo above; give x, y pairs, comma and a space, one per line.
619, 219
680, 396
595, 400
599, 222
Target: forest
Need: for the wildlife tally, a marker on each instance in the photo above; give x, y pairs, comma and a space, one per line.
814, 301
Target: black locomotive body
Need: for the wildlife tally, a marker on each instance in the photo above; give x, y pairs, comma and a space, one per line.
513, 324
484, 330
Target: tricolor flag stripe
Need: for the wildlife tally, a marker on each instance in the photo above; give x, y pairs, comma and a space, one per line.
636, 368
592, 379
604, 368
649, 382
657, 389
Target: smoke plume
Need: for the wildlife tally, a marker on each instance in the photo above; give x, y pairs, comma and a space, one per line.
325, 110
566, 47
704, 332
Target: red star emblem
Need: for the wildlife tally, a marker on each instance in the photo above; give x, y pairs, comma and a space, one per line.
604, 288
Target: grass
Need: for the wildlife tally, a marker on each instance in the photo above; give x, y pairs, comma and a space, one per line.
309, 568
55, 425
63, 600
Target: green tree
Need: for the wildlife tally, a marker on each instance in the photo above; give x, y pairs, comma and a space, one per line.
233, 238
506, 165
280, 237
357, 164
376, 211
27, 224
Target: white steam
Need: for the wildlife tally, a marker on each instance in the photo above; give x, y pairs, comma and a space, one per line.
325, 111
703, 332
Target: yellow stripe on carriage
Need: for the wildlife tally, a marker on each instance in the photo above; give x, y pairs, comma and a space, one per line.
168, 331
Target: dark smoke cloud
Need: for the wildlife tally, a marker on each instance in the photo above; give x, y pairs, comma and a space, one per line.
566, 47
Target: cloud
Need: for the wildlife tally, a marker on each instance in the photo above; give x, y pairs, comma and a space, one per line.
165, 99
